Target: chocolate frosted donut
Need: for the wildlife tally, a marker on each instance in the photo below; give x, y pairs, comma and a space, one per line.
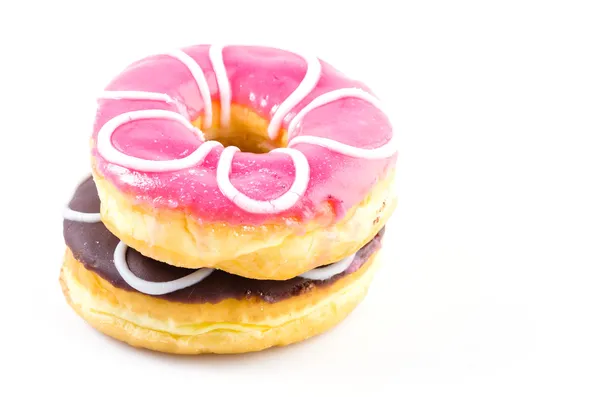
93, 245
218, 313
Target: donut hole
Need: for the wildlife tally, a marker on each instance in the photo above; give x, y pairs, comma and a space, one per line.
247, 130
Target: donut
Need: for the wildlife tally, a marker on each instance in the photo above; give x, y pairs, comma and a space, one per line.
153, 305
260, 162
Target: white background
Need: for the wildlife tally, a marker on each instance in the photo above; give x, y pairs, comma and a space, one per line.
492, 281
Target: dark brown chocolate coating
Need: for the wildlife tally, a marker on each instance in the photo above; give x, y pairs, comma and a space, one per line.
93, 245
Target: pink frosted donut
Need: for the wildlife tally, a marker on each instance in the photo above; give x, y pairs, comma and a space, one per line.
317, 187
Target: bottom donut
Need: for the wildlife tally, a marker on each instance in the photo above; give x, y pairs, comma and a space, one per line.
230, 326
221, 313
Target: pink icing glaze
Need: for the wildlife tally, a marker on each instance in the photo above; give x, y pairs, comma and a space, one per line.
261, 79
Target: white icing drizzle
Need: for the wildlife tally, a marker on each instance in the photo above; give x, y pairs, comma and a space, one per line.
382, 152
332, 96
84, 217
283, 202
150, 287
215, 54
137, 95
310, 80
110, 153
198, 75
302, 169
387, 150
77, 216
325, 272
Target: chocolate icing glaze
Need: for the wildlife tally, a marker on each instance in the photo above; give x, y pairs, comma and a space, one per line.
93, 245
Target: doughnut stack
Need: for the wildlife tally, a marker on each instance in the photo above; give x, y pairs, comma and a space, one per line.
237, 201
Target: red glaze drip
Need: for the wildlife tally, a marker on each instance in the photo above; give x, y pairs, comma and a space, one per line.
261, 79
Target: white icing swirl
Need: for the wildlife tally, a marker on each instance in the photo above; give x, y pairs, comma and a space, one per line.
326, 272
198, 75
215, 54
310, 80
382, 152
111, 154
282, 203
387, 150
77, 216
137, 95
150, 287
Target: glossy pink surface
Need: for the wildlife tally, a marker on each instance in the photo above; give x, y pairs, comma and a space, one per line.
261, 79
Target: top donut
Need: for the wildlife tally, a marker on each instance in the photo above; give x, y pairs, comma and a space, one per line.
255, 160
